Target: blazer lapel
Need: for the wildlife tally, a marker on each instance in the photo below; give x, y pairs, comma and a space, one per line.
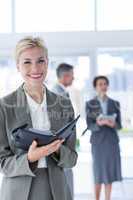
50, 108
54, 110
22, 109
109, 106
98, 105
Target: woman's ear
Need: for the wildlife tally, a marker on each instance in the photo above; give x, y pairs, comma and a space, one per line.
47, 61
17, 65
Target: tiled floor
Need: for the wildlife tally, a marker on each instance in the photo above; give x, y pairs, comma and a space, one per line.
86, 197
121, 191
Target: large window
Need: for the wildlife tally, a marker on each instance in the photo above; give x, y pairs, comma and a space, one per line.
5, 16
65, 15
8, 83
115, 14
117, 65
58, 15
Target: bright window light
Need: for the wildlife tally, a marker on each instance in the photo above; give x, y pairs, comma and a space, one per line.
50, 15
5, 16
115, 14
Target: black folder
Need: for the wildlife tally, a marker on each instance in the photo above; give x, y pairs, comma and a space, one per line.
23, 136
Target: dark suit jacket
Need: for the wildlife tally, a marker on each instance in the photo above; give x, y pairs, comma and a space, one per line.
93, 109
17, 171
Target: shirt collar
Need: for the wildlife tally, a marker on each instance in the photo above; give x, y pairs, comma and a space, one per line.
102, 100
33, 104
62, 86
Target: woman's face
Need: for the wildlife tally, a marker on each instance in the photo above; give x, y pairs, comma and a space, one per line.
33, 65
101, 87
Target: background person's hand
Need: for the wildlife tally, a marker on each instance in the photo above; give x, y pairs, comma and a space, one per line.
107, 122
36, 153
111, 123
101, 122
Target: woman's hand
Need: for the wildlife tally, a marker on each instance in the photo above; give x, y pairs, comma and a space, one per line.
101, 122
107, 122
111, 123
36, 153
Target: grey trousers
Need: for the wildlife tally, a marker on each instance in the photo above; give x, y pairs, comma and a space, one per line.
70, 182
40, 188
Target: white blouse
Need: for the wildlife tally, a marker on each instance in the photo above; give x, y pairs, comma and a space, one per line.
40, 119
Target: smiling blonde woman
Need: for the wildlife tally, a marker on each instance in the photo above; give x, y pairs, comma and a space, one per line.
38, 173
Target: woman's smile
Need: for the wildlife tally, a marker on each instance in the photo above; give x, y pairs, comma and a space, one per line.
35, 75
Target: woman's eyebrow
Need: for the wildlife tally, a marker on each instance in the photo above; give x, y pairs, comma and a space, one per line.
27, 59
42, 57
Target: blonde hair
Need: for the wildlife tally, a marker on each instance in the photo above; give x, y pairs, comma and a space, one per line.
27, 43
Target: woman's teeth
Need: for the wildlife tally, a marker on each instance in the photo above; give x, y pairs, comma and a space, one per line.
35, 75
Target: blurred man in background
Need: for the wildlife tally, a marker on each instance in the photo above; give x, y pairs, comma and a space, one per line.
65, 79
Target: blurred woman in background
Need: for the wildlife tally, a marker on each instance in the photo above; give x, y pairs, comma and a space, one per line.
103, 118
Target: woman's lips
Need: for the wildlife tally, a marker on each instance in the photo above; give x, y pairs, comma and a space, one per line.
35, 76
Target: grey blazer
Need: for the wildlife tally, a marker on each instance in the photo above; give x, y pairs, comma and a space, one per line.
17, 171
93, 109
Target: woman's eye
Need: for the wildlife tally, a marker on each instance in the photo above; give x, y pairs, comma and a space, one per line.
41, 61
27, 62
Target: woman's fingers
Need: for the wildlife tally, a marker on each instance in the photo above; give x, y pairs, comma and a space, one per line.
35, 153
33, 146
55, 146
54, 143
31, 155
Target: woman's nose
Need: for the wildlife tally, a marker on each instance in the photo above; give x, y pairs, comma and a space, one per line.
34, 66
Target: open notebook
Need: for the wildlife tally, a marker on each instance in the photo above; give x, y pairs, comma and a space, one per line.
24, 136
